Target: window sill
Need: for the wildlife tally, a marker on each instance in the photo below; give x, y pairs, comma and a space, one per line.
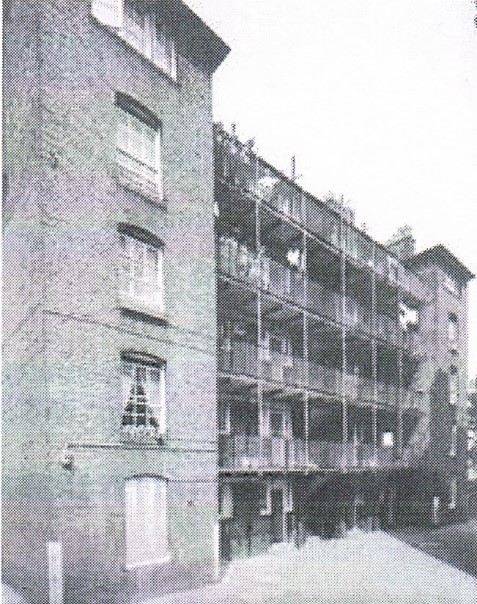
128, 180
136, 307
156, 562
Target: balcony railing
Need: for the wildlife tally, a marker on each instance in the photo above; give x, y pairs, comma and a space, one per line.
285, 369
239, 357
387, 394
387, 328
283, 281
243, 169
244, 452
244, 358
253, 452
324, 379
323, 301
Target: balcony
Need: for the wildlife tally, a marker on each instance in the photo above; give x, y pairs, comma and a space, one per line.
323, 301
256, 453
284, 369
387, 394
241, 168
326, 455
387, 328
282, 281
324, 379
252, 452
238, 261
273, 189
239, 357
357, 316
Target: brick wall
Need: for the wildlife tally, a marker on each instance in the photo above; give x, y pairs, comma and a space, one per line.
63, 274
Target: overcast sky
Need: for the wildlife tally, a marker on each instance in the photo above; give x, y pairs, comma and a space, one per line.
376, 98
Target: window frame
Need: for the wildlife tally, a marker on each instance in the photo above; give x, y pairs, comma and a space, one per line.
132, 240
139, 147
453, 387
140, 514
155, 41
226, 501
154, 410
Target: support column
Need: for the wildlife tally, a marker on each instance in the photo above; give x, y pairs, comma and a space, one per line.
344, 406
399, 444
259, 321
374, 358
306, 409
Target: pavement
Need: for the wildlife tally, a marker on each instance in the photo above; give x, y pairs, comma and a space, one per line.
455, 544
363, 568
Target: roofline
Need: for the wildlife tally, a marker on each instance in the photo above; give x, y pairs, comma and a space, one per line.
439, 253
315, 199
209, 46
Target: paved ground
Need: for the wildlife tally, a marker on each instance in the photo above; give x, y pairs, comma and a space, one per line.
455, 544
364, 568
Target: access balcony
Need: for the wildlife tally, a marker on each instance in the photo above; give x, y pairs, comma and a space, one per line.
253, 452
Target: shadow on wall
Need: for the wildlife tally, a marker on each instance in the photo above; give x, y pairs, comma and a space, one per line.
10, 596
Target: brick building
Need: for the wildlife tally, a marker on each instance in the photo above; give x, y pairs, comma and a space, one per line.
198, 361
109, 313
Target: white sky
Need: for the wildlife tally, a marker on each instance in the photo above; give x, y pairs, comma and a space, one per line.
376, 98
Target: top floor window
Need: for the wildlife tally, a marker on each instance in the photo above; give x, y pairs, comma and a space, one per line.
451, 285
137, 23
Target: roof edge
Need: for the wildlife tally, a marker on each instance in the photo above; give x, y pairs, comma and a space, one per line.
441, 255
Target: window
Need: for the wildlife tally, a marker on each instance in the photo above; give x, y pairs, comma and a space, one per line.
138, 143
393, 270
453, 446
137, 23
224, 418
388, 439
142, 278
453, 386
226, 507
453, 493
451, 285
146, 521
452, 326
288, 498
143, 398
265, 498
